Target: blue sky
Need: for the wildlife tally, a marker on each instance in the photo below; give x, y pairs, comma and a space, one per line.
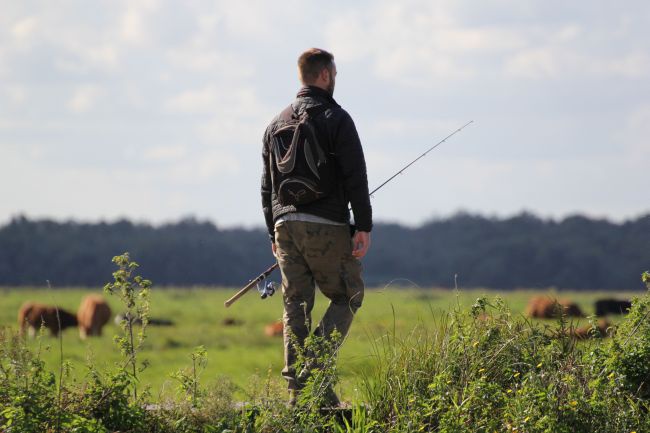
154, 110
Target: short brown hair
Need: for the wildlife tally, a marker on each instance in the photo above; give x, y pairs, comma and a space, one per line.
312, 62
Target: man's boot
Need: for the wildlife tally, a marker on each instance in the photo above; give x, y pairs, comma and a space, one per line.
330, 399
293, 397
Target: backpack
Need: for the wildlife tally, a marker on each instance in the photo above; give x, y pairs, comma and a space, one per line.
300, 168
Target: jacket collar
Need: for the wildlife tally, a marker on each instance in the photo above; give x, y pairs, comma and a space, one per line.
316, 93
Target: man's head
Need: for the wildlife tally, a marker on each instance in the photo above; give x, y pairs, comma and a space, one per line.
316, 67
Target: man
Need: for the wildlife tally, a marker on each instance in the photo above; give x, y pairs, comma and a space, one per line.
312, 241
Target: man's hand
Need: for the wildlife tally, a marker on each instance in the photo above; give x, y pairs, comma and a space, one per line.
273, 248
360, 244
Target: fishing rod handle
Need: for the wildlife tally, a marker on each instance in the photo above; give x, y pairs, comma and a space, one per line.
248, 286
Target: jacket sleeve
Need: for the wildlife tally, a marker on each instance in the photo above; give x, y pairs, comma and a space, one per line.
352, 169
267, 188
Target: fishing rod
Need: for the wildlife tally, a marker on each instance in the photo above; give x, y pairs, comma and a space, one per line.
270, 288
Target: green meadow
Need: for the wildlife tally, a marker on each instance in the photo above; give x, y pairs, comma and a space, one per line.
242, 352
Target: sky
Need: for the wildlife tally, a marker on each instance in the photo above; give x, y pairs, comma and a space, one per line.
154, 110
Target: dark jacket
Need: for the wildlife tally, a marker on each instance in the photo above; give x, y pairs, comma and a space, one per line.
337, 132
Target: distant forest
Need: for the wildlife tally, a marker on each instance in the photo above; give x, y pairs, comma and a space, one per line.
523, 251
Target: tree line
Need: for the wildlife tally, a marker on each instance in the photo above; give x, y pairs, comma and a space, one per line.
522, 251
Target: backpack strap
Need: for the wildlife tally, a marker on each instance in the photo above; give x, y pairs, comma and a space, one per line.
315, 110
288, 113
291, 112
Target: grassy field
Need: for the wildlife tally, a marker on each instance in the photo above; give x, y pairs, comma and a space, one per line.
242, 352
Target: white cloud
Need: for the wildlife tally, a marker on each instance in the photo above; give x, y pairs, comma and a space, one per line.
633, 65
205, 166
37, 152
195, 58
204, 100
256, 19
232, 111
202, 56
133, 25
569, 63
205, 50
135, 96
636, 136
422, 45
24, 29
104, 55
393, 129
534, 63
16, 94
231, 131
82, 59
165, 153
568, 33
84, 98
571, 52
416, 43
217, 163
382, 162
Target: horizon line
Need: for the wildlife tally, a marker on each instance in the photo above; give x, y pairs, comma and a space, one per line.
437, 218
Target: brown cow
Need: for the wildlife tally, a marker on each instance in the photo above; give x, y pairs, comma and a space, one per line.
33, 315
93, 314
544, 307
585, 332
274, 329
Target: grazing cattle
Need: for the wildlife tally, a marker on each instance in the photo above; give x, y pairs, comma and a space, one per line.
585, 332
93, 314
612, 306
543, 307
33, 315
571, 309
122, 317
230, 321
274, 329
157, 321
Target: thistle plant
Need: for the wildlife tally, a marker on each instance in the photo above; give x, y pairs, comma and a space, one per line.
133, 291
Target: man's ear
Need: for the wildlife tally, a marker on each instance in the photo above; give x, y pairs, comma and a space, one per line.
325, 75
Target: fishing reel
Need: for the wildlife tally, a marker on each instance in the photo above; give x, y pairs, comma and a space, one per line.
267, 289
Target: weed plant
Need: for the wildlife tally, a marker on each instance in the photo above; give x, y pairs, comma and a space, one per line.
133, 291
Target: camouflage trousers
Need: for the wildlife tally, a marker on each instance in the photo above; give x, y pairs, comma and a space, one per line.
314, 254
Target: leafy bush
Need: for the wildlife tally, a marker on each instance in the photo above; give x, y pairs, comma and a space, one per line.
629, 353
489, 371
